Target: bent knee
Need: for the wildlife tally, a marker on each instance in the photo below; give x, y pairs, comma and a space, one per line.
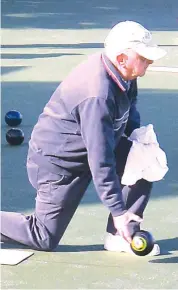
47, 245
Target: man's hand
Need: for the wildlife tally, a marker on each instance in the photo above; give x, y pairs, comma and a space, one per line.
121, 224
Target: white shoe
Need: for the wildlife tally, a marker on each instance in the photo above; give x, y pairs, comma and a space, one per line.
116, 243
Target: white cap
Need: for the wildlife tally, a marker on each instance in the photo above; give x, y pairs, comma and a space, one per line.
130, 34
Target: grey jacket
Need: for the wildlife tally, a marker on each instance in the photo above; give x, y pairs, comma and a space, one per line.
83, 122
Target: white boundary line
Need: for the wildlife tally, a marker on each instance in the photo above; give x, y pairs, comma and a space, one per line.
163, 69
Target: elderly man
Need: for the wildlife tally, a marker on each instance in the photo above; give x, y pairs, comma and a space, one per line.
80, 136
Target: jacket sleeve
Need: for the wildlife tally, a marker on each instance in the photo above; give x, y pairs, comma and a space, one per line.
134, 116
96, 127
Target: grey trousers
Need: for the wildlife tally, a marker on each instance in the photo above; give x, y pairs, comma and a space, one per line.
57, 199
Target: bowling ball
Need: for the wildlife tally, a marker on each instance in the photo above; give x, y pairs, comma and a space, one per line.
142, 243
13, 118
15, 136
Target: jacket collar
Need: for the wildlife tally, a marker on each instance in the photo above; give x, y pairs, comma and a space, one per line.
113, 72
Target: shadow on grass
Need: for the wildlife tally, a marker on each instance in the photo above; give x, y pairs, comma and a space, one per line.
59, 45
35, 55
79, 248
167, 246
171, 260
60, 248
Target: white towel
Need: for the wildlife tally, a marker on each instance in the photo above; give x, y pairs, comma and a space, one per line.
146, 159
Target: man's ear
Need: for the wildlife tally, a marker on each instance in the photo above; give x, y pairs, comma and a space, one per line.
121, 59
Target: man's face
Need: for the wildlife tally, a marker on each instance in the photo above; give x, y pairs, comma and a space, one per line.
134, 65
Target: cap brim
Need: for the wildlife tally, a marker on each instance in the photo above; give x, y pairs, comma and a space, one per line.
150, 52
